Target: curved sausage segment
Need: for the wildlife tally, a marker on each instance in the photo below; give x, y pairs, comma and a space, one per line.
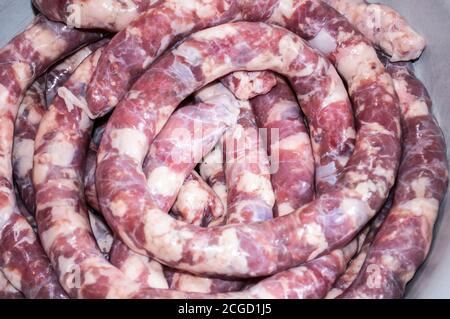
310, 281
28, 118
247, 170
22, 60
384, 27
289, 147
31, 110
138, 268
190, 133
62, 216
196, 203
110, 15
404, 240
262, 248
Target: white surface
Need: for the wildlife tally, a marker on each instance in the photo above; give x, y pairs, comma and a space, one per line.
15, 15
431, 18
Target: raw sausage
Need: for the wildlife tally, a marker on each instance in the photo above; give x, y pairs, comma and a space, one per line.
134, 49
247, 171
196, 203
62, 216
289, 147
404, 240
245, 159
110, 15
310, 281
384, 26
191, 132
359, 186
308, 232
136, 267
28, 118
22, 60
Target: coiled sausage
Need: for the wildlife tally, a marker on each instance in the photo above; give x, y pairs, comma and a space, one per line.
358, 196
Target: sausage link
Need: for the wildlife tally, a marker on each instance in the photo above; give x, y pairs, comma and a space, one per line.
196, 204
28, 118
7, 291
30, 114
27, 123
64, 226
136, 267
384, 26
62, 215
404, 240
65, 230
174, 153
111, 15
115, 283
193, 213
289, 148
247, 85
247, 170
329, 222
22, 60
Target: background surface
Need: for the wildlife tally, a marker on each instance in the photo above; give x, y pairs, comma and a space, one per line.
432, 19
